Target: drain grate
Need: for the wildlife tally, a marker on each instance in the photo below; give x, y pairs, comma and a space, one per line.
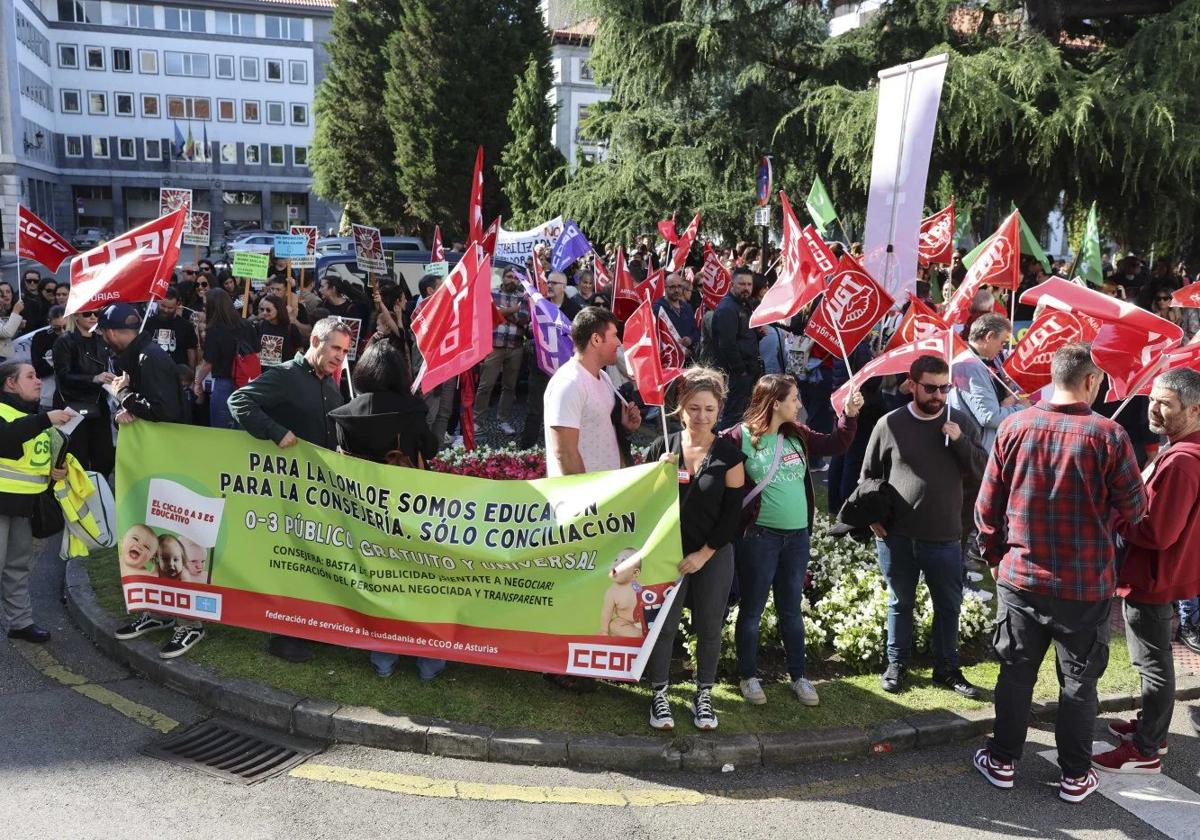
233, 751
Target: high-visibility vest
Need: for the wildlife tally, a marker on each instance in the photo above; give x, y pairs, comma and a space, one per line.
31, 472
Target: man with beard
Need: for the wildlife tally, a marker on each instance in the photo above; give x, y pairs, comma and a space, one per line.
925, 451
735, 345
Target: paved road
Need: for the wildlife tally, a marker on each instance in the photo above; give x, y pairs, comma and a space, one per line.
74, 723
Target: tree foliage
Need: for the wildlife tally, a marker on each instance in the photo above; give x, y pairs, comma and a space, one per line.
530, 164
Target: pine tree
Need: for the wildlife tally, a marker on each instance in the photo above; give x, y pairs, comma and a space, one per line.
353, 150
530, 165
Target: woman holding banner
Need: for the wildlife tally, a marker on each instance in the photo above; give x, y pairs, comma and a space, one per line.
710, 504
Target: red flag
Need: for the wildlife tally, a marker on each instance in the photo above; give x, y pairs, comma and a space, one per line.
437, 253
539, 277
852, 305
898, 360
625, 299
1130, 358
643, 355
475, 209
37, 241
1188, 296
936, 244
666, 229
998, 264
715, 279
672, 351
129, 268
654, 285
602, 277
454, 328
680, 254
807, 260
489, 237
1100, 308
466, 404
919, 321
1029, 364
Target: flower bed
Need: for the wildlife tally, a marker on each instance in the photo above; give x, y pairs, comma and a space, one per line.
488, 462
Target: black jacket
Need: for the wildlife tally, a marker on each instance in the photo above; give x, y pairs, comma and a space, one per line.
12, 444
41, 346
77, 360
874, 500
736, 345
288, 398
154, 391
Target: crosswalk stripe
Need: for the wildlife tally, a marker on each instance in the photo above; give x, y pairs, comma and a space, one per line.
1155, 799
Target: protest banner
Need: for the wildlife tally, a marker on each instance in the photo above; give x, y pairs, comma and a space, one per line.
368, 249
290, 246
517, 246
171, 199
198, 230
311, 232
218, 526
438, 269
251, 264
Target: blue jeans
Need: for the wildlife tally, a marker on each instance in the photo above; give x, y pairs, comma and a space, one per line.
769, 559
902, 560
385, 663
218, 410
1189, 612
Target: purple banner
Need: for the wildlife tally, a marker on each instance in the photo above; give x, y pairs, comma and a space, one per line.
570, 246
552, 331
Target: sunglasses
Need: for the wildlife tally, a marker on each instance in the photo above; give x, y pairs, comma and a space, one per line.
1163, 299
188, 271
89, 314
935, 389
202, 285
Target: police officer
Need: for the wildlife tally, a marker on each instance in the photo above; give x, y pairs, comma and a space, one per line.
26, 469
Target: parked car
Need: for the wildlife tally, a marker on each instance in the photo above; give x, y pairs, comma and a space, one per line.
255, 240
408, 267
345, 244
88, 237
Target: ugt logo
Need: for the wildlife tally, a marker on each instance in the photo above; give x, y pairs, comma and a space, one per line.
937, 236
852, 302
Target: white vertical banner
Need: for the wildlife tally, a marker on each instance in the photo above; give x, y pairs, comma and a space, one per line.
904, 128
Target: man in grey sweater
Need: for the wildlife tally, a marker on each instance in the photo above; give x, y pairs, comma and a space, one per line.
925, 450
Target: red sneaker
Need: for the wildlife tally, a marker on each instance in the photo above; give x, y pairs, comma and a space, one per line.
1077, 790
998, 773
1126, 759
1124, 730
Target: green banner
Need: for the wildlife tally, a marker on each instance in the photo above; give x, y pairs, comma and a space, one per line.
820, 205
1090, 263
251, 264
219, 526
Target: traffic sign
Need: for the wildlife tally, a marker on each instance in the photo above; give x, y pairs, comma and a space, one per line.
762, 183
762, 216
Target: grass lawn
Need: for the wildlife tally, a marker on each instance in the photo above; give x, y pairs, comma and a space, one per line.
519, 699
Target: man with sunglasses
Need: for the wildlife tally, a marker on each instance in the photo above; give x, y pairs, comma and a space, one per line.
925, 451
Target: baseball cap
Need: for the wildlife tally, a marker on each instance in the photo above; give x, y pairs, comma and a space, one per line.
119, 316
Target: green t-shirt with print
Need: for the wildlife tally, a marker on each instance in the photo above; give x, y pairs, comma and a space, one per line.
784, 500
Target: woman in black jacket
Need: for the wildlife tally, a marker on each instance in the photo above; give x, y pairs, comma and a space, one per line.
224, 331
278, 337
81, 369
711, 476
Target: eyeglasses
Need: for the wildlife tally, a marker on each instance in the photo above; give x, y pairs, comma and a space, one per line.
89, 314
202, 285
935, 389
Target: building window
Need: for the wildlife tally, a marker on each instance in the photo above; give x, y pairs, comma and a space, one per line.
224, 68
185, 64
189, 108
252, 153
70, 102
286, 29
74, 146
152, 149
99, 147
249, 69
226, 110
229, 153
122, 60
148, 61
35, 87
273, 69
136, 15
79, 11
585, 71
184, 20
97, 102
34, 41
94, 56
250, 111
300, 155
234, 23
150, 105
274, 113
298, 72
68, 56
299, 113
126, 148
123, 104
275, 155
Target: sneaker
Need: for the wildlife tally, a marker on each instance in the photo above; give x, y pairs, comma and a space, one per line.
752, 690
980, 595
1077, 790
507, 428
805, 692
185, 639
892, 680
998, 773
143, 624
1126, 758
1124, 730
974, 577
1189, 634
703, 715
660, 711
956, 682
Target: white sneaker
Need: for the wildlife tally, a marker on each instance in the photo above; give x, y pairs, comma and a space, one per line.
660, 711
703, 716
458, 441
981, 595
752, 690
974, 577
806, 693
507, 428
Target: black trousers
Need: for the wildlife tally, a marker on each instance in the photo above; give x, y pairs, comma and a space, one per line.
92, 444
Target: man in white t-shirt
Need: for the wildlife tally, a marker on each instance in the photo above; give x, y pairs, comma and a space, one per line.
580, 437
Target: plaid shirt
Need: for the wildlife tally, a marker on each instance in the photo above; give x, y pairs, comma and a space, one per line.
510, 333
1056, 476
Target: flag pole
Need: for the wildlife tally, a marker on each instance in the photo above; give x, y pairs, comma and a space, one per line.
842, 347
950, 373
146, 317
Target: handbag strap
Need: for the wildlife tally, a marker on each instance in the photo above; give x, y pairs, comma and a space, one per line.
766, 479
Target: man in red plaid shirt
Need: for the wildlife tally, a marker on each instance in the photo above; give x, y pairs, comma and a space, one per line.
1056, 476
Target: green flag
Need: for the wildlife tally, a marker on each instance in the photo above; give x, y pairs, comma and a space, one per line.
1030, 247
820, 205
1089, 263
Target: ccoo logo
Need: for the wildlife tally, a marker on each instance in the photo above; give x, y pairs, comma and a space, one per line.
33, 230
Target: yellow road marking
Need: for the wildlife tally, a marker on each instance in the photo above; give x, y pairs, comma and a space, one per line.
40, 658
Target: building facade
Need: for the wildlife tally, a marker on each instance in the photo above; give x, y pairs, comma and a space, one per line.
103, 103
574, 89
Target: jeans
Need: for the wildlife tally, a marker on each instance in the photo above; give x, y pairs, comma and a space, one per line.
503, 363
902, 560
1148, 636
1026, 624
534, 432
385, 663
218, 408
709, 591
439, 403
1189, 612
771, 560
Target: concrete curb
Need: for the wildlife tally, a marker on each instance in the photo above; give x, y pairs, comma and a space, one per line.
328, 721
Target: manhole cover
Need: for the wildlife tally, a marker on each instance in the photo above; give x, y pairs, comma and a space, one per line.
234, 751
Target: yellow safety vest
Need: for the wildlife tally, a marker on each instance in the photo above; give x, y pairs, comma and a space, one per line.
31, 472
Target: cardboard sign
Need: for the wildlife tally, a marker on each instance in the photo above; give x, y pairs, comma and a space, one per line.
250, 264
289, 246
439, 269
197, 232
368, 249
171, 199
311, 234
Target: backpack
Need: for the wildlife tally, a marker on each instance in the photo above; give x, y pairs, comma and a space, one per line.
246, 365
